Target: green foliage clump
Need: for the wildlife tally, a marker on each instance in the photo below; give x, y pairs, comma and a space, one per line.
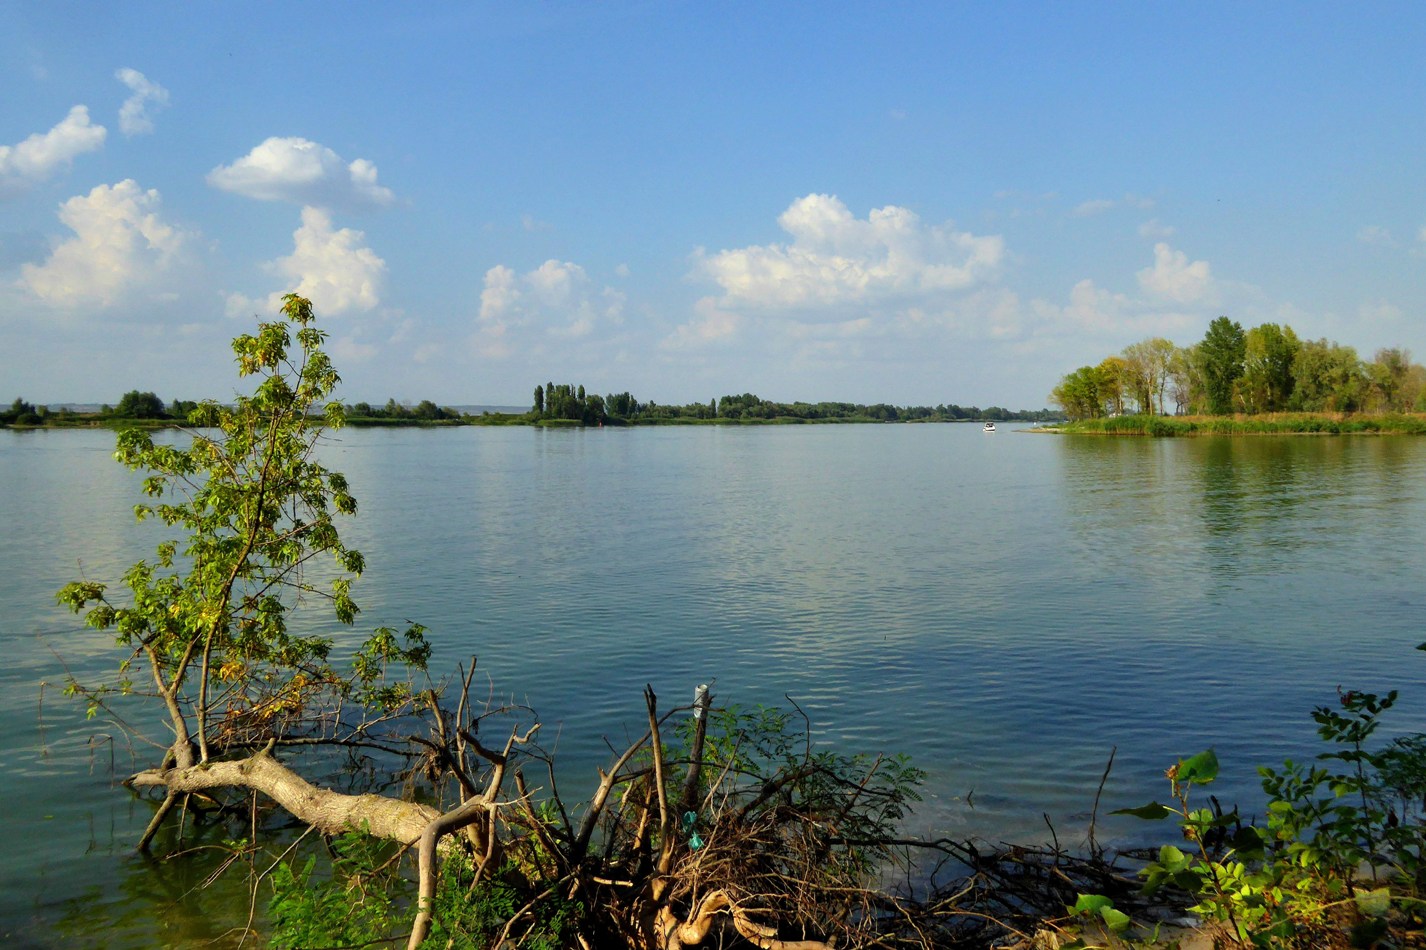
22, 413
354, 906
366, 898
136, 405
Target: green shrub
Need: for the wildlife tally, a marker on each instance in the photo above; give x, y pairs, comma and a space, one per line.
1339, 862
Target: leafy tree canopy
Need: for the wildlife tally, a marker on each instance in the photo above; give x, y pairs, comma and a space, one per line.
136, 405
255, 513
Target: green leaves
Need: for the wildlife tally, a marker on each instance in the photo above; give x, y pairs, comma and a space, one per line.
1175, 868
1097, 905
1375, 902
1200, 769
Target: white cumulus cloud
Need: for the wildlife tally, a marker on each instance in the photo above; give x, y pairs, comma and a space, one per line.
42, 154
302, 172
332, 267
121, 248
556, 300
1174, 278
835, 260
147, 96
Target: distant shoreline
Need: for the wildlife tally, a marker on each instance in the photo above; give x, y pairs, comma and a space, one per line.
86, 421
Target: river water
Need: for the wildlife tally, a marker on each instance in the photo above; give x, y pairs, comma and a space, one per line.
1007, 608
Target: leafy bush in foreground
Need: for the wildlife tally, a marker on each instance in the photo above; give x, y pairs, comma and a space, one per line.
1341, 859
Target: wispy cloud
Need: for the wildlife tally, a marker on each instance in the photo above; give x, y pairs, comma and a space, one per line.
1155, 230
1096, 206
148, 96
1088, 209
1376, 235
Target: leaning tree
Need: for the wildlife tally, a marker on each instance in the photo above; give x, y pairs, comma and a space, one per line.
205, 623
710, 827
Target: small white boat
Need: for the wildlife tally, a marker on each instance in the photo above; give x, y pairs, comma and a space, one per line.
988, 427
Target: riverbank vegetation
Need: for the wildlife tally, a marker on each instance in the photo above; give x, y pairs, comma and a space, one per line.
1285, 423
430, 814
1261, 371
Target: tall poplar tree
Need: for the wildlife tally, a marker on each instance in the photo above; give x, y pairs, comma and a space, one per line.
1222, 352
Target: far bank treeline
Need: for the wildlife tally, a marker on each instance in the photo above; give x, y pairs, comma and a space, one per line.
562, 403
1266, 369
554, 405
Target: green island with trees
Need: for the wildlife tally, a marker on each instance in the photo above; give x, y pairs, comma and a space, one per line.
432, 817
1235, 382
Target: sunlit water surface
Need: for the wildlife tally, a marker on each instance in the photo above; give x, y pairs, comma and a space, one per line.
1006, 608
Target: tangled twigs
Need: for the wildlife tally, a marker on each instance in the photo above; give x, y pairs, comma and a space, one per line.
1006, 896
723, 829
486, 840
677, 934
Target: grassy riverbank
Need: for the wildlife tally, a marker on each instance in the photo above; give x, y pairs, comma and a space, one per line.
1288, 423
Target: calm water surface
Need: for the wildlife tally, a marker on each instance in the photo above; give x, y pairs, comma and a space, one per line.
1006, 608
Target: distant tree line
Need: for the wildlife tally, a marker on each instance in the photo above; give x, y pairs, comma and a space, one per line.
132, 405
559, 403
1265, 369
137, 405
571, 403
393, 411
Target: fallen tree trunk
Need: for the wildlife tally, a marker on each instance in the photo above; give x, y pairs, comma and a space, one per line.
326, 811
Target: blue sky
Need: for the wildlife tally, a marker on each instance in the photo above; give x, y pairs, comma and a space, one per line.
909, 203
